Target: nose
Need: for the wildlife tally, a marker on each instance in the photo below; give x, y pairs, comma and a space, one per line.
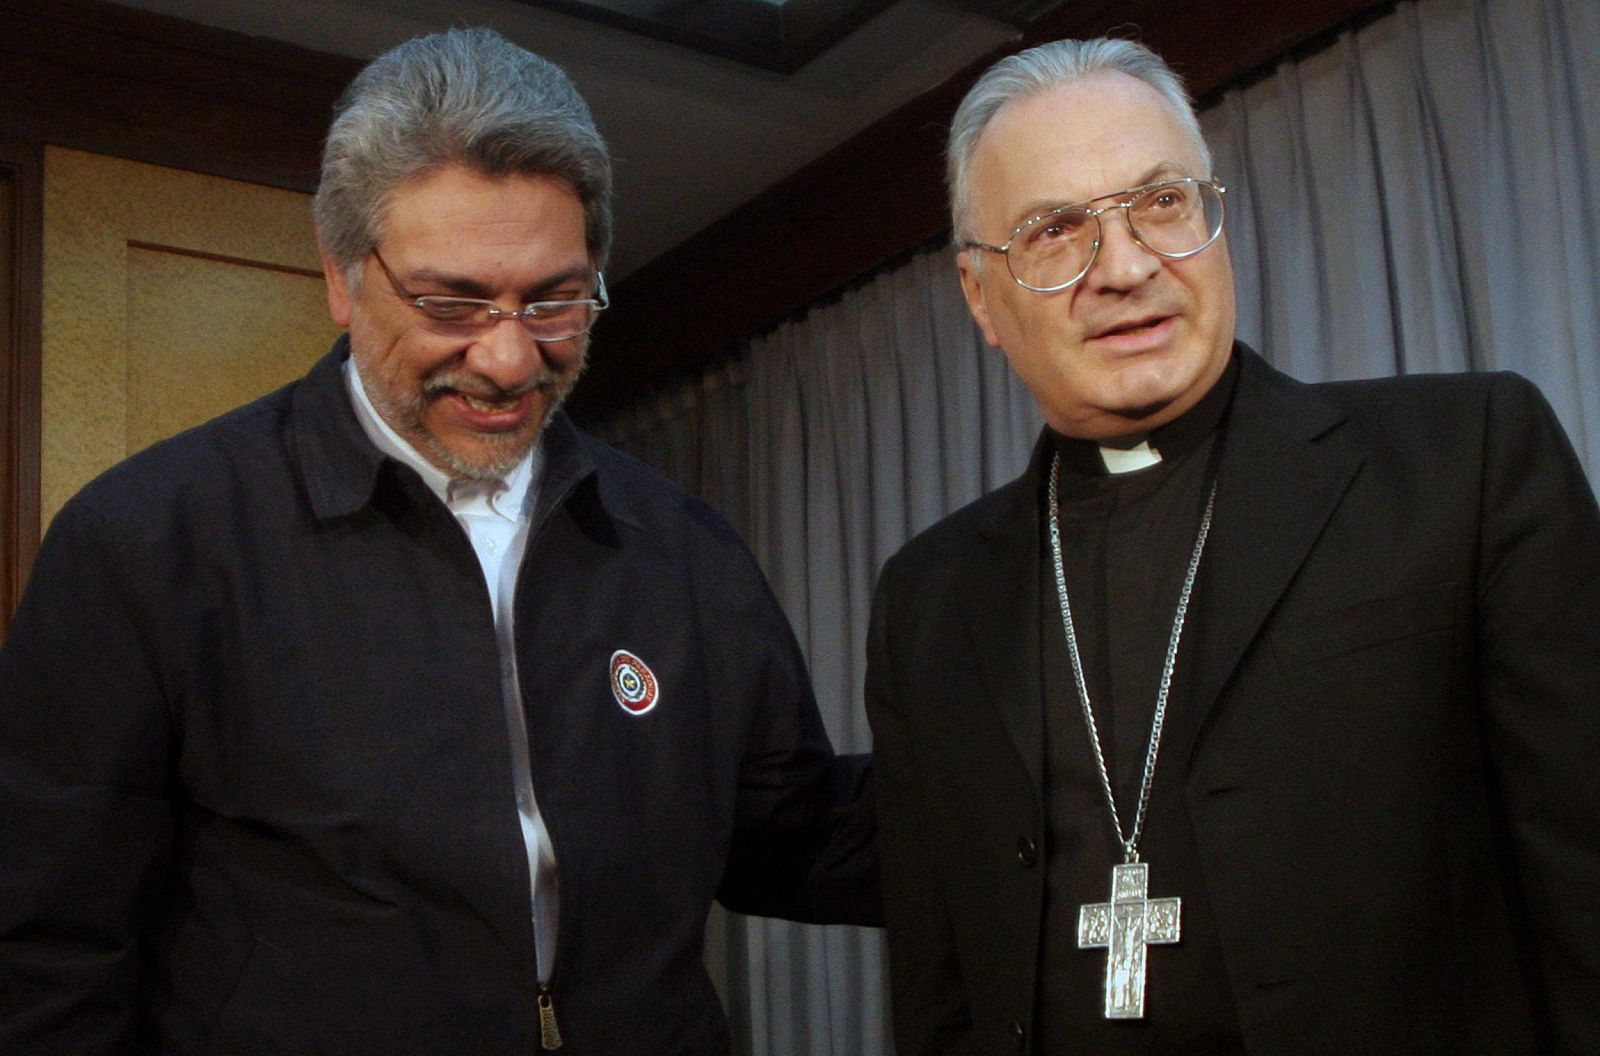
507, 354
1122, 263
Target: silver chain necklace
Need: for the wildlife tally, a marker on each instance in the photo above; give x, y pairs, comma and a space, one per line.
1132, 920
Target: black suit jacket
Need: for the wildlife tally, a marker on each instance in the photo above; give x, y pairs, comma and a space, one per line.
1388, 752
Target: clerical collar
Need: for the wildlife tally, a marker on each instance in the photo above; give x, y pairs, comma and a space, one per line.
1177, 437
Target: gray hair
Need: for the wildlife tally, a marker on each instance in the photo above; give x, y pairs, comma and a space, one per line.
1036, 70
468, 97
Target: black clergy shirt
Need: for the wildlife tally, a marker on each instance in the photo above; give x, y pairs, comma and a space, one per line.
1126, 542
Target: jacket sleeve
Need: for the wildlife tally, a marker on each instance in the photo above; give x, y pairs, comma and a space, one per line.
804, 845
83, 797
1538, 626
929, 1001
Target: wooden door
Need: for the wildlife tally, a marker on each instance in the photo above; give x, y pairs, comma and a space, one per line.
169, 298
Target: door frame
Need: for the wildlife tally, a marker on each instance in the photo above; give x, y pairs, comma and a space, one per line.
21, 275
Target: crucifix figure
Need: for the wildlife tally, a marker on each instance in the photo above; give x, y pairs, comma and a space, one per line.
1126, 925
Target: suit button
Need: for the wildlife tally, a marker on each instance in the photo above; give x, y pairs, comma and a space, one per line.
1027, 852
1018, 1035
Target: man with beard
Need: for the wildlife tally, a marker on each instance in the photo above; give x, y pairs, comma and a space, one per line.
1255, 717
390, 713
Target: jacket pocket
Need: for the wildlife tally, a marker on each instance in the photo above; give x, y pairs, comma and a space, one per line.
1338, 631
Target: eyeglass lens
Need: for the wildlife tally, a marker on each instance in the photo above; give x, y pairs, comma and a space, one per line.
549, 321
1172, 219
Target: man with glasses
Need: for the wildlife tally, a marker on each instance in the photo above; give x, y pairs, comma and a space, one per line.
390, 714
1256, 717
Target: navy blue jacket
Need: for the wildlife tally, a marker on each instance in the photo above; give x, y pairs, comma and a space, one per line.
256, 780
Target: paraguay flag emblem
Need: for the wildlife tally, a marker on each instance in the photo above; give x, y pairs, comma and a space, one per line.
633, 683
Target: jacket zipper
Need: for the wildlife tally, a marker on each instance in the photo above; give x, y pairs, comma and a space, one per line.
549, 1031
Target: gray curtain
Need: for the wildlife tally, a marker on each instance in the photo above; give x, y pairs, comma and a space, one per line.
1421, 195
1425, 196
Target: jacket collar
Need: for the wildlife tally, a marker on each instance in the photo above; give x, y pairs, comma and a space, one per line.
580, 473
1285, 467
337, 462
999, 601
342, 468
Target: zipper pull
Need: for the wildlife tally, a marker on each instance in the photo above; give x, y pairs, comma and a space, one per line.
549, 1033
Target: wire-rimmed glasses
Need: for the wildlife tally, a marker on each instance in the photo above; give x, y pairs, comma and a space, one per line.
1174, 219
545, 320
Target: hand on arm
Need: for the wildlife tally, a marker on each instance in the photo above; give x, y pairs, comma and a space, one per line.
931, 1013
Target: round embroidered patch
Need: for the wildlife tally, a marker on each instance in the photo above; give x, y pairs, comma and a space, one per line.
633, 683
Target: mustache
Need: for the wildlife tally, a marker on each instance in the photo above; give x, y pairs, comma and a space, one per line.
481, 388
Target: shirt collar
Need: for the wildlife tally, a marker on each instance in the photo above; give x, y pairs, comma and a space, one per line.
338, 463
342, 468
506, 497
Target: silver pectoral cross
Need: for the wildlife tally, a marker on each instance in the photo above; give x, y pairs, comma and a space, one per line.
1126, 925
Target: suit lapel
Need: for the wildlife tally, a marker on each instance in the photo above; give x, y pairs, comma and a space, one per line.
1284, 468
998, 588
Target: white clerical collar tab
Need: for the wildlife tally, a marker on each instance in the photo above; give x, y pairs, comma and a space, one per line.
1129, 459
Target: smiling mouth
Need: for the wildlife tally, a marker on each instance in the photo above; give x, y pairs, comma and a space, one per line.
490, 405
483, 398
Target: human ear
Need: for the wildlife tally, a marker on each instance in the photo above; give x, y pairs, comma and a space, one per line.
338, 290
972, 288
